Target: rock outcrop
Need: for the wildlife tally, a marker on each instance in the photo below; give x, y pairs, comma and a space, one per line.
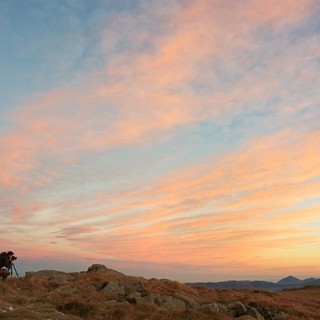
133, 291
112, 289
100, 268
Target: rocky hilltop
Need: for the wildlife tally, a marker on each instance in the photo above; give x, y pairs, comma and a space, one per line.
103, 293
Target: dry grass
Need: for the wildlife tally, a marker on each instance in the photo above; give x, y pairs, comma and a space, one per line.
36, 298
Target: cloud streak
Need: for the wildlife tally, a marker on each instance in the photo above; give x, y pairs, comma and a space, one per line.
248, 72
165, 221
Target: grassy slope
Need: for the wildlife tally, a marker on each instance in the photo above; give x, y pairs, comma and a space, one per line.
36, 298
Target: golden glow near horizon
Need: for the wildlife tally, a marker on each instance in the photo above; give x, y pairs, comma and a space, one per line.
165, 133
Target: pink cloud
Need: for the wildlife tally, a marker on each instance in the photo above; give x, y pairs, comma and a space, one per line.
143, 106
140, 98
20, 214
279, 13
170, 226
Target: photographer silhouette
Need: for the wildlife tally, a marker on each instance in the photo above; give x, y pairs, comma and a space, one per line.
6, 263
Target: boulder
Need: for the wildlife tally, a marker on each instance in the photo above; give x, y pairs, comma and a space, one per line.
134, 284
99, 285
114, 288
172, 303
215, 308
162, 301
263, 310
254, 313
190, 303
103, 269
156, 298
135, 298
97, 268
65, 290
238, 308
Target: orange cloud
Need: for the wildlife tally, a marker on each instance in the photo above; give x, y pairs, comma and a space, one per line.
192, 215
226, 209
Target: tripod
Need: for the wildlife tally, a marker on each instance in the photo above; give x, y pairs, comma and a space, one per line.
13, 268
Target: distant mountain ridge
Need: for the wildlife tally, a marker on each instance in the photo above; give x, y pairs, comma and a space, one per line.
289, 282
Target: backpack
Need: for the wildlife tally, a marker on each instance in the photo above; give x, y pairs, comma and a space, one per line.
4, 273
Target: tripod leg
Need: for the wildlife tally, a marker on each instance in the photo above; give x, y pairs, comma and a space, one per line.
14, 267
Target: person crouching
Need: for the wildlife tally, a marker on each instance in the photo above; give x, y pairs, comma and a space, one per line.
6, 262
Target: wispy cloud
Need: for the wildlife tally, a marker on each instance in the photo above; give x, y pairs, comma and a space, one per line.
249, 68
211, 211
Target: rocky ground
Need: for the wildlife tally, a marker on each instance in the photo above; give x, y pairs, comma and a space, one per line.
102, 293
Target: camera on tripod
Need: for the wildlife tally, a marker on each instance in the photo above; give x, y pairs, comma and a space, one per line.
6, 264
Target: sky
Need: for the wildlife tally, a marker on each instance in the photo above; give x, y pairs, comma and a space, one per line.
171, 139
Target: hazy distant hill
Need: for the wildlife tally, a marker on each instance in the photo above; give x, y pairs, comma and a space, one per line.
289, 282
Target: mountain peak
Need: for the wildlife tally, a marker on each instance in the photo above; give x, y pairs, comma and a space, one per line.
289, 280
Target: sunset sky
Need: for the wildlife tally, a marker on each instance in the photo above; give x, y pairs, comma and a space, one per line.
162, 138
